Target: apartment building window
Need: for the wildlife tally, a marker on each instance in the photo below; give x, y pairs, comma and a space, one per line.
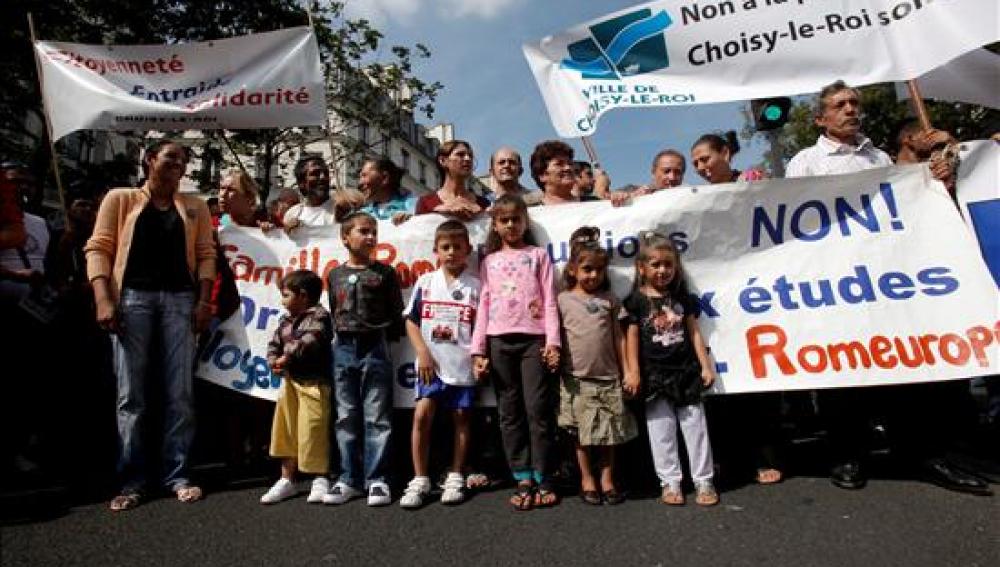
406, 161
422, 168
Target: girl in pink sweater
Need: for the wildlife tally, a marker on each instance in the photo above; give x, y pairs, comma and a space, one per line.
516, 341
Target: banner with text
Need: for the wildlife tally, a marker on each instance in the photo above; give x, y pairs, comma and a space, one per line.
675, 52
978, 193
263, 80
853, 280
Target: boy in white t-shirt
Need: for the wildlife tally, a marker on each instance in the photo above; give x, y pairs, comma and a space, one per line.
439, 321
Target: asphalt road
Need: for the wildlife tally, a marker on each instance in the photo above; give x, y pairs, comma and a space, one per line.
803, 522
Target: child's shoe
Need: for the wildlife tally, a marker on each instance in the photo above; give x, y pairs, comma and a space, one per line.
320, 486
705, 493
378, 494
415, 493
453, 485
282, 490
341, 493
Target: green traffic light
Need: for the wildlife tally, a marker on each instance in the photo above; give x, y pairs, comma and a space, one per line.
772, 113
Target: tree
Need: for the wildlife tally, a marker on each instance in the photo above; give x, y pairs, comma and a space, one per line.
361, 89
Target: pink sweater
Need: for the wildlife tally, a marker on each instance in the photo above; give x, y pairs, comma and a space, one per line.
518, 296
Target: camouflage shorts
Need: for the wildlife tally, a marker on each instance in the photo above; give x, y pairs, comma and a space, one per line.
596, 410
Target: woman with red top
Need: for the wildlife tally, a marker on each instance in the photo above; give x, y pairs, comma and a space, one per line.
453, 199
712, 155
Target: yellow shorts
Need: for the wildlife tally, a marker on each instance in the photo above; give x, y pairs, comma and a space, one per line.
301, 427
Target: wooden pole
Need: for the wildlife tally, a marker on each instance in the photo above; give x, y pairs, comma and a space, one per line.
48, 125
918, 104
591, 152
239, 162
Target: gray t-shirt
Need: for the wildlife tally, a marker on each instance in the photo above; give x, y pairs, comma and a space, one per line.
590, 326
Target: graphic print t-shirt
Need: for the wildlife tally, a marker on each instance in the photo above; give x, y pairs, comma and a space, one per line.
445, 313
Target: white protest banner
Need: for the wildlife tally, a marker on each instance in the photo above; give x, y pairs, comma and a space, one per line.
854, 280
973, 78
675, 52
978, 193
263, 80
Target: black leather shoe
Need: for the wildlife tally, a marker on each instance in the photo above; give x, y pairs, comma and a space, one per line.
848, 476
938, 472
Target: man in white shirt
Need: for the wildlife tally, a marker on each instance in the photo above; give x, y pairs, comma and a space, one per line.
317, 208
842, 148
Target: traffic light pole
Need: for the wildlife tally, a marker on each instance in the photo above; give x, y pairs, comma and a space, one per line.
774, 154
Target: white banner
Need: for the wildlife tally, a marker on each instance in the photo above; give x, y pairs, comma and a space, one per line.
978, 193
675, 52
973, 78
855, 280
264, 80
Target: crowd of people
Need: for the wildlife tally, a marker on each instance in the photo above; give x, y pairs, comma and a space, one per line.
135, 276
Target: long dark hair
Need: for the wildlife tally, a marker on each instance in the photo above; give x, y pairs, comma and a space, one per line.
649, 241
585, 241
718, 143
508, 203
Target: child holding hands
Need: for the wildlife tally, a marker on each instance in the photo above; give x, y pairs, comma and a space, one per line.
592, 405
665, 343
516, 340
439, 321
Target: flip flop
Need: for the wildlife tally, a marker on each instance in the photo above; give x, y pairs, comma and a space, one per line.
769, 476
524, 499
188, 494
545, 497
125, 501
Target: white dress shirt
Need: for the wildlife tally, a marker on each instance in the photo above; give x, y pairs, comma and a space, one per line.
829, 157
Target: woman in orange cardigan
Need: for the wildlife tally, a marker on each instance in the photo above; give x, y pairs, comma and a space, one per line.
151, 261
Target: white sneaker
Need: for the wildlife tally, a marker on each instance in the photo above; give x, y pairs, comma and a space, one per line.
320, 486
282, 490
415, 493
340, 494
453, 485
379, 495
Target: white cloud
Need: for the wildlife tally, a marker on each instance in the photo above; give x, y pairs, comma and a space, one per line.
484, 9
380, 11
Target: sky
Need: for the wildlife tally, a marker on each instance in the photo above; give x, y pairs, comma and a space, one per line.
491, 96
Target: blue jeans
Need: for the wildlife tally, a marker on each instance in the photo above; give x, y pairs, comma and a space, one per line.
362, 385
144, 316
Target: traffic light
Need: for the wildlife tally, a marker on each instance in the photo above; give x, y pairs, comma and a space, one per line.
770, 113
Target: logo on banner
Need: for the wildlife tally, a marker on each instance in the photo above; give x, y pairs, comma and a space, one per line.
624, 46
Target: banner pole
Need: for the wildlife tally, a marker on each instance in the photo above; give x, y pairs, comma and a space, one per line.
591, 153
48, 125
918, 104
239, 162
334, 170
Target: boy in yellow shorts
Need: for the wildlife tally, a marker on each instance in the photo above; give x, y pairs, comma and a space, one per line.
300, 350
